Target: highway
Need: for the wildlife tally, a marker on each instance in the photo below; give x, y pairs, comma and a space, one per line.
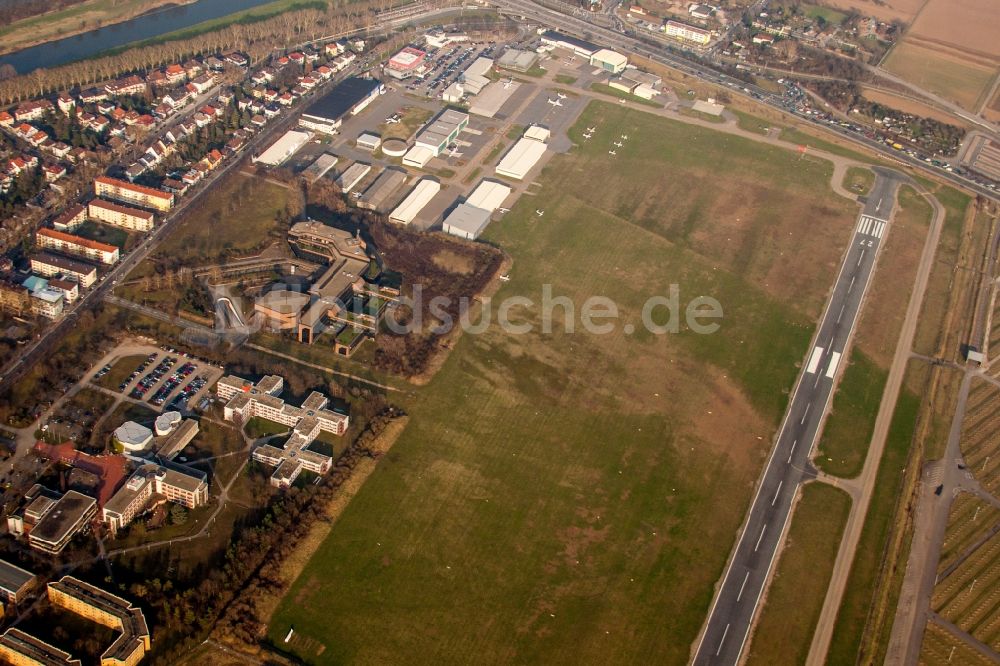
738, 597
613, 39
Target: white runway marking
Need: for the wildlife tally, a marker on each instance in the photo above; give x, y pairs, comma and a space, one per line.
814, 360
860, 257
805, 413
878, 229
760, 538
842, 308
776, 492
792, 450
871, 226
745, 578
851, 286
722, 641
832, 368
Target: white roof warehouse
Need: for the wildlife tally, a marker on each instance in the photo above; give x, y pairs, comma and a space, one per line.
520, 159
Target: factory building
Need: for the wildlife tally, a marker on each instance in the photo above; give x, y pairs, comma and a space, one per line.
580, 47
406, 63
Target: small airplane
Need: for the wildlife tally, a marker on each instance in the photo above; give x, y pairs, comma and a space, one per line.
591, 130
539, 212
555, 102
560, 95
508, 83
503, 210
611, 152
454, 152
619, 144
625, 137
621, 101
505, 278
586, 136
392, 120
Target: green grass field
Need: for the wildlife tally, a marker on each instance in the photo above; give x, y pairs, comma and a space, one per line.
574, 496
861, 583
961, 82
120, 371
843, 446
795, 597
238, 218
859, 179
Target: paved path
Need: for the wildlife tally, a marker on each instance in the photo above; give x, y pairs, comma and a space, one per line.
859, 508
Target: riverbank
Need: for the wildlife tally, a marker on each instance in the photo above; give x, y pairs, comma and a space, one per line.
76, 20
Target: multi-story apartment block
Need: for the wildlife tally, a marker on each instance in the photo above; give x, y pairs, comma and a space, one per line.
137, 195
60, 241
97, 605
120, 216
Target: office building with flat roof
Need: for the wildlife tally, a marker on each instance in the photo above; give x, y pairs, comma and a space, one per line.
15, 582
62, 520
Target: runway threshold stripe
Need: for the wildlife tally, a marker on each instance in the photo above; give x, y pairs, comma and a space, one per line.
814, 360
832, 368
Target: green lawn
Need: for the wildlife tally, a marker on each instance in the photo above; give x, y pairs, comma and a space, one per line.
844, 445
828, 14
750, 122
573, 497
258, 426
859, 179
621, 94
105, 233
239, 218
793, 135
565, 79
120, 371
861, 584
795, 597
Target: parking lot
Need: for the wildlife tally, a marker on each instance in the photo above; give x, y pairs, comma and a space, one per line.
165, 379
444, 67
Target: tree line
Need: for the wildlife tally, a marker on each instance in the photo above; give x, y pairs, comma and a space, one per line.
257, 39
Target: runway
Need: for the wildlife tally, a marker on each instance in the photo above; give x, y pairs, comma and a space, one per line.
738, 598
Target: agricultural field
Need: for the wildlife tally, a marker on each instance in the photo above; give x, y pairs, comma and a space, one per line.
994, 332
971, 518
941, 647
970, 596
903, 10
795, 597
946, 74
547, 500
969, 27
981, 434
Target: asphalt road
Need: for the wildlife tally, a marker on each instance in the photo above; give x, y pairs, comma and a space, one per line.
737, 599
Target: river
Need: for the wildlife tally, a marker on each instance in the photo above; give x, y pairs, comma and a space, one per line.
91, 43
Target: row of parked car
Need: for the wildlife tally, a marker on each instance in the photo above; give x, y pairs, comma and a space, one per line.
137, 372
155, 375
172, 382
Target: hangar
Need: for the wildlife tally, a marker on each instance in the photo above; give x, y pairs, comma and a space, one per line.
520, 159
415, 201
283, 148
348, 98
